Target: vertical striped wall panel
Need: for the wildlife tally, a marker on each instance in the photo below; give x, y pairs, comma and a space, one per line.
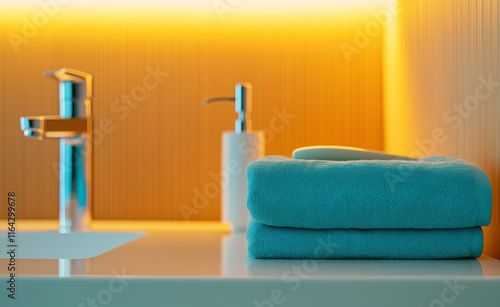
163, 149
437, 54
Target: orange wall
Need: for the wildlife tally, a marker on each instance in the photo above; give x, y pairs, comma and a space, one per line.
436, 54
162, 149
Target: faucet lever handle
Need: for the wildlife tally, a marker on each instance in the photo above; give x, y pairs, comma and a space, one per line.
73, 76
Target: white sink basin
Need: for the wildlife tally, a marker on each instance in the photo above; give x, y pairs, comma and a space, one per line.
55, 245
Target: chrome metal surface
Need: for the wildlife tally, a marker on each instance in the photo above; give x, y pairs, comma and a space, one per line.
243, 106
75, 158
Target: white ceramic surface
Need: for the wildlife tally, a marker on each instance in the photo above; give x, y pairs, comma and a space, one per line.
55, 245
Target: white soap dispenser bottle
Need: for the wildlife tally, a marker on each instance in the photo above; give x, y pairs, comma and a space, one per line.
238, 149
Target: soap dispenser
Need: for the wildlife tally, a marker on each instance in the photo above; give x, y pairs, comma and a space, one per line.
238, 149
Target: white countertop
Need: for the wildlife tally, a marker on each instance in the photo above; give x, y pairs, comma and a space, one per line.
177, 267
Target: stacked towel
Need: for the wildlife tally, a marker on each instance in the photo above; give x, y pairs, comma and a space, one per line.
426, 209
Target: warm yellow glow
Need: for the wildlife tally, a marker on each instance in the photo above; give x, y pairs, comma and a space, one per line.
199, 4
160, 225
397, 112
35, 225
235, 27
111, 225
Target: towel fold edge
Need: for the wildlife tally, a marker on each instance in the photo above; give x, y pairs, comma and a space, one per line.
485, 196
477, 242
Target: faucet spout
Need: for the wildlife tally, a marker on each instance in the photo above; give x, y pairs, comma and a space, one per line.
41, 127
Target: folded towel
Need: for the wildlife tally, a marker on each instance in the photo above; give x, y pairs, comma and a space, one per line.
297, 243
433, 192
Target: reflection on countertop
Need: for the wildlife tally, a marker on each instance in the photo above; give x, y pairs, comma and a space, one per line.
208, 250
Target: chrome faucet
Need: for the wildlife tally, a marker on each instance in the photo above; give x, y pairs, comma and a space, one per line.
74, 129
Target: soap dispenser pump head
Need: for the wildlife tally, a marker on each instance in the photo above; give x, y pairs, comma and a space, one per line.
243, 106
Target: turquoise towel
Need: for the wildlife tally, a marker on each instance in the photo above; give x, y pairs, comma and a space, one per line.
296, 243
433, 192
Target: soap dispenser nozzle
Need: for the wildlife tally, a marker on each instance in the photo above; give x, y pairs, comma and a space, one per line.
243, 106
